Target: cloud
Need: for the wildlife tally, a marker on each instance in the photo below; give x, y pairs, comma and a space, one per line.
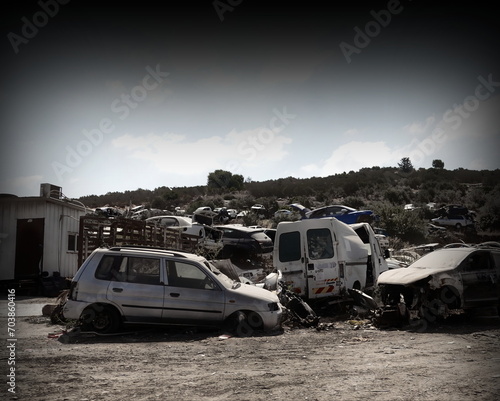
176, 154
417, 128
354, 156
351, 132
461, 138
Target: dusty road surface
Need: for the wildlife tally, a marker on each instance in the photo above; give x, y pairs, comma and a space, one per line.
343, 360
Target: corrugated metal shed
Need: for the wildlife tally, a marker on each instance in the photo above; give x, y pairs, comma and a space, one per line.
36, 235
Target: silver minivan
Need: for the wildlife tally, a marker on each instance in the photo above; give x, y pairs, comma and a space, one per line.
123, 285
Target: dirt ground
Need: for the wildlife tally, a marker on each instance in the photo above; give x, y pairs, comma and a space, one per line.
342, 359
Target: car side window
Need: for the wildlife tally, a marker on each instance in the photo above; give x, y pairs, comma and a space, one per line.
129, 269
143, 270
187, 275
108, 267
289, 246
496, 260
168, 222
478, 261
231, 233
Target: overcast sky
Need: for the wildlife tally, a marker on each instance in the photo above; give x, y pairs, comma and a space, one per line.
99, 99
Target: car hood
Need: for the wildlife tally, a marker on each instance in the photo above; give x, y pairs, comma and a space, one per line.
251, 293
406, 275
436, 262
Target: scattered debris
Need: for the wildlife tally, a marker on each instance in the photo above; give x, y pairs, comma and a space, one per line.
56, 313
297, 309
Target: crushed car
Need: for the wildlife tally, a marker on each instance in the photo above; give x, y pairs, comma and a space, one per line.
457, 221
241, 243
343, 213
208, 238
446, 279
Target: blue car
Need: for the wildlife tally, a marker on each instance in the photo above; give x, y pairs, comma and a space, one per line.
343, 213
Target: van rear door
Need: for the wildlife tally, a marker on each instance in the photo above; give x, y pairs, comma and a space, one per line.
289, 256
324, 275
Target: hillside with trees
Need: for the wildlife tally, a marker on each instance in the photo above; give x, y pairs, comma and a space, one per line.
385, 190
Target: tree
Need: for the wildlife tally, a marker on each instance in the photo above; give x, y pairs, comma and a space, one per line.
224, 180
437, 163
158, 203
405, 165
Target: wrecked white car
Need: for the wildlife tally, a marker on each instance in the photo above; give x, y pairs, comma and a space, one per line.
446, 279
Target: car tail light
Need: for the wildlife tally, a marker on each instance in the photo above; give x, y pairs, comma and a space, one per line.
273, 306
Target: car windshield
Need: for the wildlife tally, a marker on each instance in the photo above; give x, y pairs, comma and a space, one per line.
349, 209
223, 279
260, 236
441, 259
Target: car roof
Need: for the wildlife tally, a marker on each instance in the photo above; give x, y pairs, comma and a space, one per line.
169, 216
145, 250
239, 228
348, 208
442, 258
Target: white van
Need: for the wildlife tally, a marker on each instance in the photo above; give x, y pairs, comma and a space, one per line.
325, 257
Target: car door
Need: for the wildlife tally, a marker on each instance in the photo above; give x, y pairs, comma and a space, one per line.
479, 277
136, 286
192, 295
323, 274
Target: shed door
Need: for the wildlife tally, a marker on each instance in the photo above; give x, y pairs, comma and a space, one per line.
29, 248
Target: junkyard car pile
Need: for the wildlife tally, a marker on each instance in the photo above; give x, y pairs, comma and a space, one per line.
317, 259
454, 216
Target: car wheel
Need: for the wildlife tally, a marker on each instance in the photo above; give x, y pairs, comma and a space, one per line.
101, 319
244, 323
458, 226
